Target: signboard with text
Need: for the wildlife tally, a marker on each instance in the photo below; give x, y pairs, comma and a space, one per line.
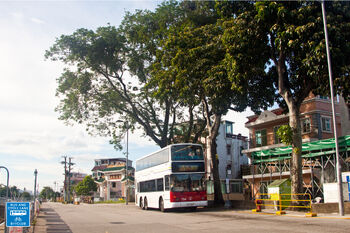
17, 214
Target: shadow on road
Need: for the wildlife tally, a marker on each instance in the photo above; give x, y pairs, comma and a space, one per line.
54, 223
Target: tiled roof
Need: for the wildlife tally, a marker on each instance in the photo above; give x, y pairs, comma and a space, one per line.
129, 178
99, 168
278, 111
100, 180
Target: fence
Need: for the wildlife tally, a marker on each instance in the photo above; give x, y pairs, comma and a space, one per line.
281, 202
233, 186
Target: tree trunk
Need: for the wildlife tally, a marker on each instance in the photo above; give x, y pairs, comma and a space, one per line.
212, 153
294, 122
296, 160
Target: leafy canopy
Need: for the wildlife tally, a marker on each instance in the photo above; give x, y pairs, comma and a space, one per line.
86, 186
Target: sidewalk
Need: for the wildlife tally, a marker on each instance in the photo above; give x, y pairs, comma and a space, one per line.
299, 214
49, 221
40, 225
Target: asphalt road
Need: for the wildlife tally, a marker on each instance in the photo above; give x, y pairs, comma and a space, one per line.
110, 218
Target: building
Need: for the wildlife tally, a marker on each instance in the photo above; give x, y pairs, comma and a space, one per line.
231, 159
109, 174
77, 177
229, 149
271, 159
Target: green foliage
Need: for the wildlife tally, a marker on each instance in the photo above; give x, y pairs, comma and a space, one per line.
94, 90
285, 133
25, 196
47, 193
282, 44
86, 186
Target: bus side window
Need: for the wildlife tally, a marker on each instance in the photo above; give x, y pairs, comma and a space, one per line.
160, 186
167, 188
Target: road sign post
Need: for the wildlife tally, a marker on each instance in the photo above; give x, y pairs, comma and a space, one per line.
17, 214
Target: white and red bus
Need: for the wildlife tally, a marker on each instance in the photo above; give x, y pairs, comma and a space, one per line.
173, 177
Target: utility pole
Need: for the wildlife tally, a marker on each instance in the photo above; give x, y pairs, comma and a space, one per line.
339, 177
65, 178
70, 164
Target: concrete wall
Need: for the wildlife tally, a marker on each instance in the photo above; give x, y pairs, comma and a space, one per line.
330, 208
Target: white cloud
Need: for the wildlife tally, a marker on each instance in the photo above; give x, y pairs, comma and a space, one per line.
17, 15
36, 20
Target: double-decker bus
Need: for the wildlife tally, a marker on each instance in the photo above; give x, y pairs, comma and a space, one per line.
173, 177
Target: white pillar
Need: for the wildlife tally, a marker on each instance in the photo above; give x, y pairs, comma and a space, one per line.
108, 191
101, 190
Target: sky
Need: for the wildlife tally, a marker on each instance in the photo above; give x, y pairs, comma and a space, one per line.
31, 136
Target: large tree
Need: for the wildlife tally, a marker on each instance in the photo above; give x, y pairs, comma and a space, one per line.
286, 40
193, 64
86, 186
47, 193
105, 82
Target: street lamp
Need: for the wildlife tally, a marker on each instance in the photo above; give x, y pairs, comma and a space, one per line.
8, 177
127, 166
35, 174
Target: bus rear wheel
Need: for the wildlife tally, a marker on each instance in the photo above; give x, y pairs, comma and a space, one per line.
145, 204
161, 205
141, 204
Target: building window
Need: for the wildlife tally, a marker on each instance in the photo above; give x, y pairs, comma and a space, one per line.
326, 124
229, 129
323, 97
115, 177
260, 138
113, 185
277, 140
305, 125
228, 149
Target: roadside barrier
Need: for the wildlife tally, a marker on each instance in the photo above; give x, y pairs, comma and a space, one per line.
280, 202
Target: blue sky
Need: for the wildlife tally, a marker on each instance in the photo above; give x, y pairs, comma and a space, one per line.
31, 135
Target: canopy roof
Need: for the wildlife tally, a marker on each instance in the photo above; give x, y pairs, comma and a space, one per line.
310, 149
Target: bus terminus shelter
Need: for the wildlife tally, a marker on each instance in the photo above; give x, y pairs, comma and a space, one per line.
318, 165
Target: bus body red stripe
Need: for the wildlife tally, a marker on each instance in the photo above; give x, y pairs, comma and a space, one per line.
188, 196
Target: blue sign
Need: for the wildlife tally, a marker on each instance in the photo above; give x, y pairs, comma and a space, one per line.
348, 180
17, 214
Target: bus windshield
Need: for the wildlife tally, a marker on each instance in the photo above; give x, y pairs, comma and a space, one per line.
186, 152
187, 182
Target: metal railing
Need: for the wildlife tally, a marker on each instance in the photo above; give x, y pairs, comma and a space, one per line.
281, 202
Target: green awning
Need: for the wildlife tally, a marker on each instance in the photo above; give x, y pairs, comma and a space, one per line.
310, 149
108, 169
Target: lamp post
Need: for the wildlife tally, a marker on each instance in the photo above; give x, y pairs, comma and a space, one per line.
35, 174
339, 178
127, 164
7, 195
8, 177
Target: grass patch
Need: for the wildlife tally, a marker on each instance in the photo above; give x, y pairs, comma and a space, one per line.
110, 202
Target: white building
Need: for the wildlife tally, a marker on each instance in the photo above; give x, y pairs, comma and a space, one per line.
109, 174
229, 150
